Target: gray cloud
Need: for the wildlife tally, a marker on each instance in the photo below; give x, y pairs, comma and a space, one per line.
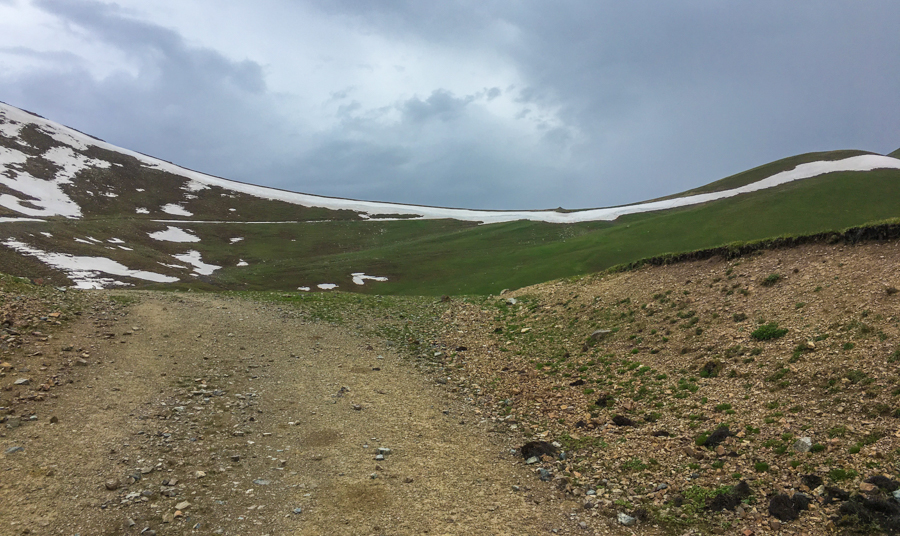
625, 101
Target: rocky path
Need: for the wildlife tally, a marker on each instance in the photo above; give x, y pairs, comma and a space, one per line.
206, 415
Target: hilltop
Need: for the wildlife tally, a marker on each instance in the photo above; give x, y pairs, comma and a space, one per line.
79, 211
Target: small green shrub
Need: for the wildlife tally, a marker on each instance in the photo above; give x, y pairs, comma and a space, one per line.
770, 280
760, 467
768, 332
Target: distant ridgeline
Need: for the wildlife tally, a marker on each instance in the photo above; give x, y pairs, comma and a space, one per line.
75, 210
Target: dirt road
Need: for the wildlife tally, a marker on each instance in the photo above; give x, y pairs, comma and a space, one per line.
206, 415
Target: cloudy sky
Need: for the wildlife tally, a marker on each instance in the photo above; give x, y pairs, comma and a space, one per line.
467, 103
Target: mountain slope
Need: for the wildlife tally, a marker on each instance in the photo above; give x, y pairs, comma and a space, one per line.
98, 215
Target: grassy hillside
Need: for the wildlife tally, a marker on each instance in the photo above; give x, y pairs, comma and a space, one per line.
895, 154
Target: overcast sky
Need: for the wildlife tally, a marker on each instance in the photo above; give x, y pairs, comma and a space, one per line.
480, 104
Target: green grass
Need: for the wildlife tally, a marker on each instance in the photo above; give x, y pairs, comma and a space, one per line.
433, 257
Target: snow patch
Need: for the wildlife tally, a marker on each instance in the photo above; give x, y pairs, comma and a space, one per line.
175, 210
174, 234
116, 241
326, 286
360, 278
82, 241
192, 257
85, 271
139, 190
303, 289
10, 129
111, 194
71, 162
125, 248
242, 262
45, 233
11, 220
236, 239
142, 210
194, 186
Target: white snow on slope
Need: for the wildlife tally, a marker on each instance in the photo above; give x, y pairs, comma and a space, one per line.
242, 262
193, 257
174, 234
71, 162
326, 286
142, 210
360, 278
368, 208
85, 271
175, 210
235, 239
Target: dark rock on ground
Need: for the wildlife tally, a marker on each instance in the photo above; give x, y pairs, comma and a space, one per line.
576, 383
661, 433
537, 449
883, 482
711, 368
862, 513
718, 436
786, 508
730, 500
835, 494
604, 400
811, 481
621, 420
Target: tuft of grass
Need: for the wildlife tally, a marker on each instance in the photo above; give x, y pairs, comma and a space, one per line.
767, 332
771, 280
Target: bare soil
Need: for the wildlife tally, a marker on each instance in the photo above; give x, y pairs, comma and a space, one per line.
263, 422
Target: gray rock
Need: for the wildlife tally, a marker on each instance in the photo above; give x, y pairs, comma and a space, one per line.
532, 460
22, 381
626, 519
383, 450
379, 457
13, 422
591, 492
804, 444
545, 474
12, 450
600, 333
896, 494
262, 482
298, 510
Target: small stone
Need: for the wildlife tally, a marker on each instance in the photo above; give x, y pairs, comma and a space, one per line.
804, 444
383, 450
13, 422
262, 482
379, 457
298, 510
129, 523
200, 474
12, 450
532, 460
720, 450
626, 519
22, 381
236, 457
112, 485
183, 505
81, 362
544, 474
865, 487
54, 419
357, 407
178, 514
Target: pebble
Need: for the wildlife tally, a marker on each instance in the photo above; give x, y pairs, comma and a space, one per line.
183, 505
298, 510
262, 482
22, 381
544, 474
112, 485
379, 457
804, 444
626, 519
12, 450
532, 460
